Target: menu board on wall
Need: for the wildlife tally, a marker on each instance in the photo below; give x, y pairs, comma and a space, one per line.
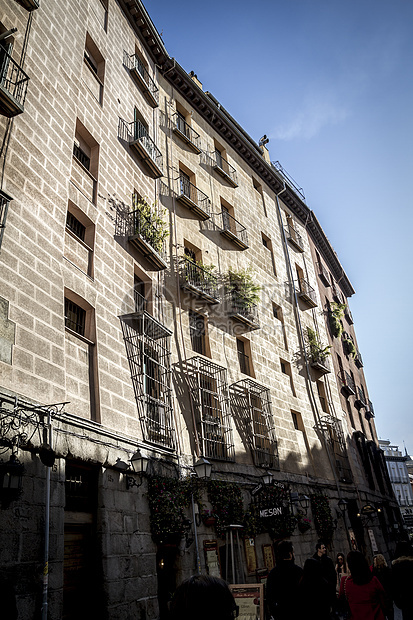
250, 600
212, 558
251, 556
268, 553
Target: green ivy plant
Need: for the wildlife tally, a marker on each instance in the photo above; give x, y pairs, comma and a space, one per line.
241, 286
323, 518
227, 506
335, 315
152, 225
317, 352
168, 497
350, 347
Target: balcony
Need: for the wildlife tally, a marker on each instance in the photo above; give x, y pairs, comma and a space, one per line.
294, 237
320, 363
347, 383
136, 134
140, 73
306, 292
358, 360
4, 207
198, 280
13, 86
223, 168
185, 132
230, 228
369, 411
348, 315
242, 311
192, 198
336, 293
29, 5
323, 274
361, 400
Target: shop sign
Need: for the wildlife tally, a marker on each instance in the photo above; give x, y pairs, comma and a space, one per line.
274, 511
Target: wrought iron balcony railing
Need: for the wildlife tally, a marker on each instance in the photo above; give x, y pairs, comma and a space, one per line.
320, 363
192, 197
242, 310
348, 315
4, 206
149, 88
186, 132
232, 229
294, 237
323, 273
347, 383
221, 165
306, 292
199, 280
140, 302
136, 134
358, 360
290, 181
13, 86
360, 398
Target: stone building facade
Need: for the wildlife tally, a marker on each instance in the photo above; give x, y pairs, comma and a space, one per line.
398, 466
159, 298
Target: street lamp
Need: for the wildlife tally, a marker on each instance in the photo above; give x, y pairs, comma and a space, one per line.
203, 470
139, 465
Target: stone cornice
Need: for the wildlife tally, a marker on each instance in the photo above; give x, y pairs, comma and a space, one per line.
226, 126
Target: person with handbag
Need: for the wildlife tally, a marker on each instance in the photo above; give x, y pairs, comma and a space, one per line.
362, 590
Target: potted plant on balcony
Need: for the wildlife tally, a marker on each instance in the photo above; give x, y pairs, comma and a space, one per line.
150, 224
242, 288
349, 347
317, 353
335, 314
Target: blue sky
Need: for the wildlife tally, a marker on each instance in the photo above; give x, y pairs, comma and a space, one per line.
331, 85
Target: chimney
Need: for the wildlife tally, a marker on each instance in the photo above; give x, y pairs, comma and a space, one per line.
265, 152
194, 77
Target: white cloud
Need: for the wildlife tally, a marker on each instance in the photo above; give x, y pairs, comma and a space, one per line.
309, 121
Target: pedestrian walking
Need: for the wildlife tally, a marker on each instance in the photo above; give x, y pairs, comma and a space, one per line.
383, 574
205, 598
282, 584
327, 565
316, 598
341, 569
402, 579
363, 591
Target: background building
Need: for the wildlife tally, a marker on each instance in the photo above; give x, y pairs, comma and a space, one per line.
161, 304
398, 468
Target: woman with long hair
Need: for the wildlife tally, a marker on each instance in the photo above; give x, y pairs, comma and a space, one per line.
383, 574
363, 591
341, 569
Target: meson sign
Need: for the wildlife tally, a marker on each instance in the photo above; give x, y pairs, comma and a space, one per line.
276, 511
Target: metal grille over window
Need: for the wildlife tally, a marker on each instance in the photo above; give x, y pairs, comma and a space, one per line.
147, 345
333, 432
209, 391
251, 409
75, 317
75, 226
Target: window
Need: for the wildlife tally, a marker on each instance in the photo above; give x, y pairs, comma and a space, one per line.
85, 162
94, 69
77, 228
197, 332
322, 396
75, 317
266, 242
286, 370
278, 316
244, 356
260, 194
79, 239
297, 421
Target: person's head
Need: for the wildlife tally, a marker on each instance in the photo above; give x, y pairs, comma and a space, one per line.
403, 548
340, 560
321, 549
313, 570
379, 562
359, 568
285, 550
203, 597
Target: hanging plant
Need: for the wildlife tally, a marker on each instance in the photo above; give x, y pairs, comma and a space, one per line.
350, 347
323, 518
335, 314
242, 288
303, 524
317, 352
151, 225
226, 501
167, 499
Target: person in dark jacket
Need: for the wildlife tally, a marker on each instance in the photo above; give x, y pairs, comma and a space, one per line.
205, 598
402, 579
328, 570
383, 574
315, 596
282, 584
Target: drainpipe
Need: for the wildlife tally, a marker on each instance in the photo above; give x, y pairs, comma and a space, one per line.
48, 440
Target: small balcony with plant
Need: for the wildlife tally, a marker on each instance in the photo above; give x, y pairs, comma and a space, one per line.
199, 279
141, 74
361, 400
348, 387
136, 134
243, 296
306, 292
349, 347
358, 360
335, 315
323, 274
146, 229
192, 198
231, 229
294, 237
223, 168
317, 354
185, 132
13, 86
369, 410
